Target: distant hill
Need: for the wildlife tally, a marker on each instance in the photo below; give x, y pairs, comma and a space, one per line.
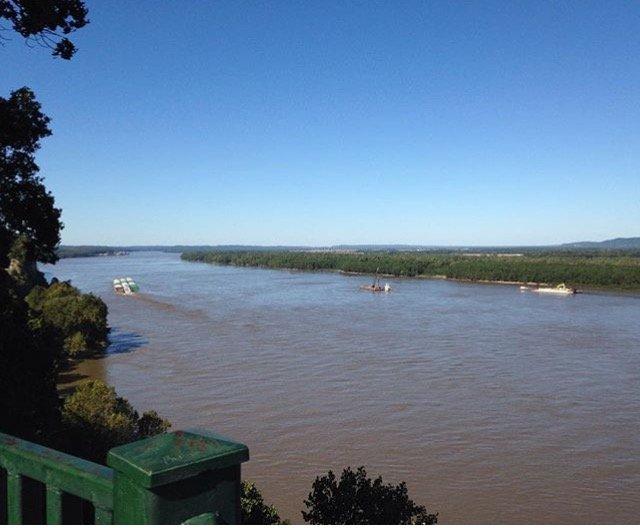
614, 243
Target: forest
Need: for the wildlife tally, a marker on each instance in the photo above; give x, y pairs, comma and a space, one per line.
593, 269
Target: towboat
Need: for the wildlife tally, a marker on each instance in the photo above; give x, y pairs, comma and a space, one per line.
560, 289
376, 287
125, 286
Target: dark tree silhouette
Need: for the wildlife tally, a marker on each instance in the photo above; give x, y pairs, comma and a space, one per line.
29, 407
46, 22
27, 209
356, 499
29, 225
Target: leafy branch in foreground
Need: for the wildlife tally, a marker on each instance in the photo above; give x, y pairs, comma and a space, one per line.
46, 22
254, 510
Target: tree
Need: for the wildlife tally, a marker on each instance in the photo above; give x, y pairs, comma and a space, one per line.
28, 393
254, 510
27, 209
95, 419
46, 22
151, 424
356, 499
30, 230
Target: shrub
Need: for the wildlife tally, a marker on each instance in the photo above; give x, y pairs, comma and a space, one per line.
356, 499
79, 321
96, 419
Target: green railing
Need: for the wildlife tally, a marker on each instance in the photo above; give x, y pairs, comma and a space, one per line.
181, 477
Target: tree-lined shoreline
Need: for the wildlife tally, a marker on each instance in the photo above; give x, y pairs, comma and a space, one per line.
597, 271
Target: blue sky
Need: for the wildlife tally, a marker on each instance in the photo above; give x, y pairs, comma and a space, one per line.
342, 122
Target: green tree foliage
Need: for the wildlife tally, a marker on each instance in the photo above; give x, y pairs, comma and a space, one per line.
27, 209
254, 510
46, 22
613, 271
77, 320
151, 424
95, 419
356, 499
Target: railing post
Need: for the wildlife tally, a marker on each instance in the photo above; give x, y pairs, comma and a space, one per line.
103, 516
54, 505
14, 497
173, 477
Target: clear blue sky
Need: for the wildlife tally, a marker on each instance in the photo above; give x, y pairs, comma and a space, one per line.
194, 122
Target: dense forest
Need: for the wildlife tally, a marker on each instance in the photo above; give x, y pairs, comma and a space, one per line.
618, 271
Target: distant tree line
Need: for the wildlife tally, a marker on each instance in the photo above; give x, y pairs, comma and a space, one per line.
85, 251
599, 271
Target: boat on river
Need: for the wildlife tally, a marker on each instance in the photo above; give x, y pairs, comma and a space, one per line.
125, 286
376, 286
560, 289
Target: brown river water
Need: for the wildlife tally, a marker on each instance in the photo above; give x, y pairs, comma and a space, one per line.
493, 405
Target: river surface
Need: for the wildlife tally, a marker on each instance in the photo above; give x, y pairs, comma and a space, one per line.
493, 405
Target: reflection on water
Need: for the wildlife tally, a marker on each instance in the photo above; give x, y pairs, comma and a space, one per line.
494, 405
122, 342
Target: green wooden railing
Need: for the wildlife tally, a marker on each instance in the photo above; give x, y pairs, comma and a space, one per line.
186, 477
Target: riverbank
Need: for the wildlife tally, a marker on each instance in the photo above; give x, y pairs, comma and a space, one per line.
600, 272
584, 289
